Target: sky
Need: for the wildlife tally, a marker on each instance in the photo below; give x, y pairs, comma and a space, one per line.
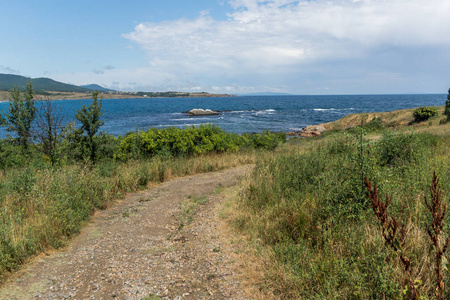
232, 46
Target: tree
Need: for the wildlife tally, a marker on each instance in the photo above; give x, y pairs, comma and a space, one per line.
48, 130
447, 107
21, 114
90, 124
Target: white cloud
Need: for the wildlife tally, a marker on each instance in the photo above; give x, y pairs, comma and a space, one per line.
295, 46
102, 70
268, 38
8, 70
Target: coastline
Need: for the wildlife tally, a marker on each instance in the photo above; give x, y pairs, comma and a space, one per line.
256, 114
392, 119
5, 96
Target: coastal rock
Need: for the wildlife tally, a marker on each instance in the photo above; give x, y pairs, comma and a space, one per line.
312, 130
202, 112
316, 128
309, 133
293, 133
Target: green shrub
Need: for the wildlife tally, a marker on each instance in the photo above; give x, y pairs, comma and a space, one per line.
403, 149
107, 168
266, 140
424, 113
447, 107
107, 145
174, 142
10, 155
375, 124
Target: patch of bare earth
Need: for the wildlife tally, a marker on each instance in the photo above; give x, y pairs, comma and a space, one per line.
163, 243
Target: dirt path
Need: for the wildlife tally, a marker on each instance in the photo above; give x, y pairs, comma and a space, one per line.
162, 243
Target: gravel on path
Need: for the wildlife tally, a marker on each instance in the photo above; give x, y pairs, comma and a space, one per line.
162, 243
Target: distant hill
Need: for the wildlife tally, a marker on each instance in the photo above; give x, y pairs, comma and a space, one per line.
9, 81
96, 87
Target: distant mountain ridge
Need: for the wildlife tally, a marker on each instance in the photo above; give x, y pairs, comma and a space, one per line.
9, 81
96, 87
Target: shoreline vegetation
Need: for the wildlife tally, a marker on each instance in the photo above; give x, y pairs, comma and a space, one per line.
303, 212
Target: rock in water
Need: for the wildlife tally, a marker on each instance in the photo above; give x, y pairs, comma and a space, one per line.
202, 112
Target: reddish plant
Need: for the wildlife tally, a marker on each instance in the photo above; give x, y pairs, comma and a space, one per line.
438, 209
393, 233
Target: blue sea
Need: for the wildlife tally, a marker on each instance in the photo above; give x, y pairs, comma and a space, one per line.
240, 114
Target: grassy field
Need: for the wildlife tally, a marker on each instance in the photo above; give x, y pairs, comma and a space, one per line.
42, 208
306, 213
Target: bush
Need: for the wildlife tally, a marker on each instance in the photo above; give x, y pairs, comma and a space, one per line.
174, 142
10, 155
447, 107
266, 140
424, 113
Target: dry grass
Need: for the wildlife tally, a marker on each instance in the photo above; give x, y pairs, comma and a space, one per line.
252, 266
396, 119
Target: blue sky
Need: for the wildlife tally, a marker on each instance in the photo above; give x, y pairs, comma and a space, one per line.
232, 46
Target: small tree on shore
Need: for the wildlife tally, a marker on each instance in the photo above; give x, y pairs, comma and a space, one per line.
48, 131
447, 107
90, 124
21, 114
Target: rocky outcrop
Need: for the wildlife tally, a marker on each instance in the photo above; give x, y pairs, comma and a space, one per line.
202, 112
312, 130
293, 133
308, 131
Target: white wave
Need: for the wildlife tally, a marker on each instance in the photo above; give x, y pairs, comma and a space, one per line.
250, 110
190, 119
265, 112
181, 125
330, 109
236, 111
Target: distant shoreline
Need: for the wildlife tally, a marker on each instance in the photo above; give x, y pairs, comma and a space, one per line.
5, 96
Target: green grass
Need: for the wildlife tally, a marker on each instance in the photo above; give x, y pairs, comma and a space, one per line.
306, 208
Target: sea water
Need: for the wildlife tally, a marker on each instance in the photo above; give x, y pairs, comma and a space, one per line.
239, 114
